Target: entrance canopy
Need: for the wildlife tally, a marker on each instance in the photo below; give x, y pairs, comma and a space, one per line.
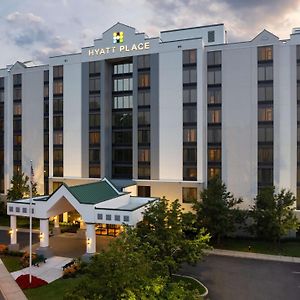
98, 202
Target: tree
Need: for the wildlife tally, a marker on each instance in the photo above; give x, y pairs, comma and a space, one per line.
273, 214
125, 271
218, 211
167, 228
20, 187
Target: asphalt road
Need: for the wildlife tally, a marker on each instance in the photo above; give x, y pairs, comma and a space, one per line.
229, 278
22, 238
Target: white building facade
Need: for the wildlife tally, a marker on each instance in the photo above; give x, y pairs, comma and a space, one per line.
167, 113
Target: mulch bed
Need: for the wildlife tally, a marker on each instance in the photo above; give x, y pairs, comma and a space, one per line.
23, 282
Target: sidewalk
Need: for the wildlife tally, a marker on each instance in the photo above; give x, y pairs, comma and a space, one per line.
252, 255
8, 287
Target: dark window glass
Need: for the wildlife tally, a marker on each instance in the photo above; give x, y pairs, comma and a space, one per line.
58, 87
1, 95
1, 82
214, 135
264, 72
94, 138
144, 155
189, 114
190, 155
17, 139
94, 84
94, 155
143, 136
46, 76
144, 80
144, 172
58, 155
265, 134
57, 122
214, 58
214, 154
265, 154
265, 114
122, 172
94, 67
189, 95
189, 75
46, 91
17, 93
94, 102
214, 95
58, 105
143, 117
214, 115
122, 119
265, 93
213, 172
144, 191
122, 155
57, 138
122, 137
144, 98
265, 176
58, 171
189, 173
94, 171
189, 194
94, 121
17, 125
143, 61
214, 77
17, 78
189, 135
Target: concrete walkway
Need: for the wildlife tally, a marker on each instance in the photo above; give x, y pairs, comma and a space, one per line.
9, 289
253, 255
49, 271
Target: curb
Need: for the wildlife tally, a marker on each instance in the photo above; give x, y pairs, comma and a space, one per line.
252, 255
205, 294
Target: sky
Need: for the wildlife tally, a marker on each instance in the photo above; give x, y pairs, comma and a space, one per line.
36, 29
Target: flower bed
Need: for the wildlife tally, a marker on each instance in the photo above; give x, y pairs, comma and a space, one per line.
23, 282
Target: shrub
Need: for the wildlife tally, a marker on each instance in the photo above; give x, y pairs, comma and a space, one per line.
71, 271
25, 259
3, 249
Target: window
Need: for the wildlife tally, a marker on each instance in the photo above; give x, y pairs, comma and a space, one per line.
17, 139
126, 218
214, 115
143, 118
123, 102
122, 155
108, 217
100, 216
214, 154
144, 155
1, 95
58, 171
144, 172
94, 84
94, 102
1, 82
94, 138
189, 75
123, 68
264, 73
121, 119
265, 93
298, 52
57, 138
17, 109
94, 67
189, 135
94, 155
58, 71
46, 76
17, 209
189, 194
17, 78
143, 61
210, 36
189, 173
144, 80
117, 218
265, 154
124, 84
58, 155
144, 136
94, 121
265, 114
214, 76
189, 114
17, 93
213, 172
190, 155
58, 105
94, 171
143, 98
214, 58
58, 122
57, 87
24, 210
122, 137
265, 53
144, 191
189, 56
265, 134
11, 209
214, 135
265, 176
189, 95
46, 91
17, 125
17, 155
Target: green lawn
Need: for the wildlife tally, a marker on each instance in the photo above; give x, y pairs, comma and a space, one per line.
54, 290
286, 248
12, 263
191, 283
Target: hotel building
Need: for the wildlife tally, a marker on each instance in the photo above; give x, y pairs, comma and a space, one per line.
159, 116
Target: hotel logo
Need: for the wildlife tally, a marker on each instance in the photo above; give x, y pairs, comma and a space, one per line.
118, 37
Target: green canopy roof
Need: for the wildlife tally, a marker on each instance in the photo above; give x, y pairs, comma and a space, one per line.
93, 193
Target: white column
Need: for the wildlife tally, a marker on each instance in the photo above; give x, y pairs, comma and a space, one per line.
13, 229
90, 238
56, 221
65, 217
44, 233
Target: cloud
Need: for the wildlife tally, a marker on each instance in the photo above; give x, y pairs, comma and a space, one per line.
31, 31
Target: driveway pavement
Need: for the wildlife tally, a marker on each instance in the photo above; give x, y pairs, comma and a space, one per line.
230, 278
22, 238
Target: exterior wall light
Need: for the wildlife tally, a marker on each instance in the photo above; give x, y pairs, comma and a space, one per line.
88, 241
10, 231
41, 235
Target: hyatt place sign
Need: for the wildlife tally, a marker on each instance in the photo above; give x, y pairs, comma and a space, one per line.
120, 49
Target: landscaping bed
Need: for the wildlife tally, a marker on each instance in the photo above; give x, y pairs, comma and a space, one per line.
290, 247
